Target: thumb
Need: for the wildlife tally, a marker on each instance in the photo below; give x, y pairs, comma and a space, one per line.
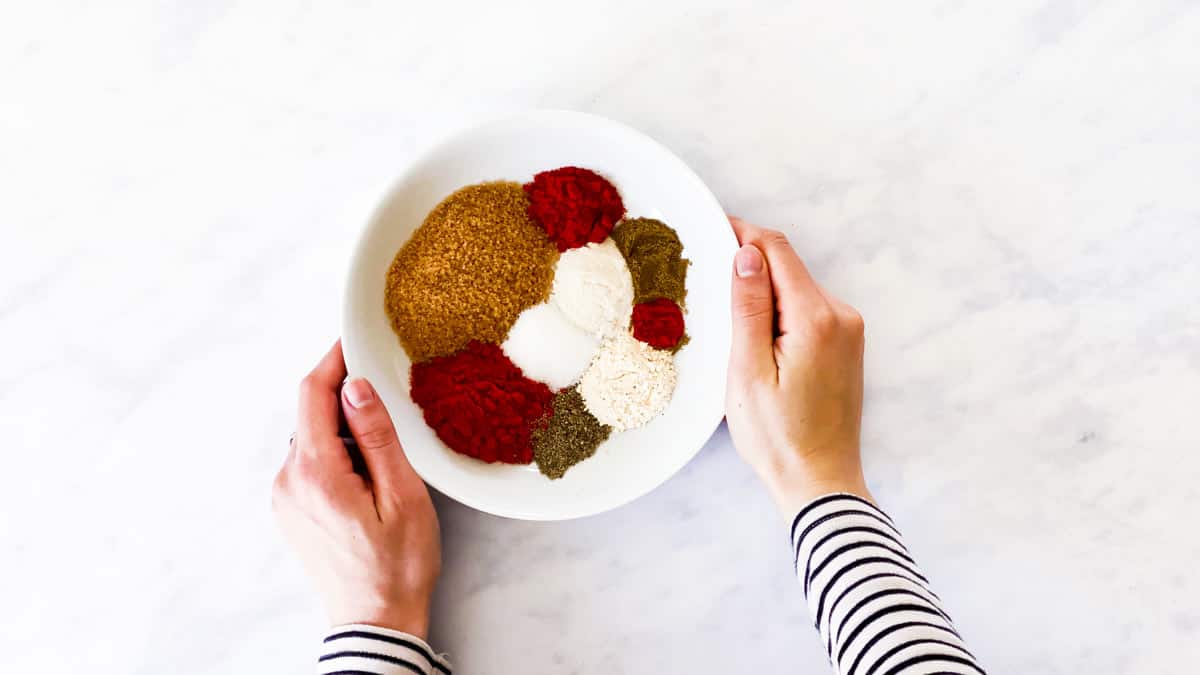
753, 314
375, 434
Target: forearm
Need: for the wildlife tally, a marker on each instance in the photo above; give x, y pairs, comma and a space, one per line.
360, 649
871, 604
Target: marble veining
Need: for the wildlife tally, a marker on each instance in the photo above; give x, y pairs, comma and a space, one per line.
1008, 191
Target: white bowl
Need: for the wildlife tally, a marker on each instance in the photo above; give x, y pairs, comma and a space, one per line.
653, 183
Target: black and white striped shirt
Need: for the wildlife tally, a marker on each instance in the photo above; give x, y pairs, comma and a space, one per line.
873, 608
358, 649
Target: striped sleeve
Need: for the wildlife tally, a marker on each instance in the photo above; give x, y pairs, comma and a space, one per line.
874, 611
359, 649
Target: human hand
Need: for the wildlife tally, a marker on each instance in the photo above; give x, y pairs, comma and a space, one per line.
371, 543
795, 387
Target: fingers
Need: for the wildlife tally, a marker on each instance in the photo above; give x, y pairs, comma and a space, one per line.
753, 350
845, 312
799, 300
741, 229
849, 320
317, 423
372, 428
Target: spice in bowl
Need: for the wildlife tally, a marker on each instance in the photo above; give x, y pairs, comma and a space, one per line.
467, 273
659, 323
480, 404
575, 206
628, 383
569, 436
538, 322
655, 256
548, 348
593, 288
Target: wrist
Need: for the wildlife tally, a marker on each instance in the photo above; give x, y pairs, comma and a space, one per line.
793, 487
413, 620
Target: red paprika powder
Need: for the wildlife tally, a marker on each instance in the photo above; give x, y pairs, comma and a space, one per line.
575, 206
658, 323
480, 404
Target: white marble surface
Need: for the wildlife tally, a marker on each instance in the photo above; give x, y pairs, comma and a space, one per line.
1009, 191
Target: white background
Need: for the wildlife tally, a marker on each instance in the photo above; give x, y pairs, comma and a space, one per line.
1010, 192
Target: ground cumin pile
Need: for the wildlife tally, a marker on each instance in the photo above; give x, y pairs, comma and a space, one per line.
468, 271
655, 258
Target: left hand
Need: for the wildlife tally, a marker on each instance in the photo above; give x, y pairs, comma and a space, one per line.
370, 542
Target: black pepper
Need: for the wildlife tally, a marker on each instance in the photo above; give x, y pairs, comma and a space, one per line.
569, 436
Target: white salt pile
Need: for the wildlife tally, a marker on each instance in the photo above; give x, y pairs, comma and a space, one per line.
592, 286
548, 348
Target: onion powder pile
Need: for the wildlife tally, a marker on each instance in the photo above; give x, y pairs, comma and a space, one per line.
628, 383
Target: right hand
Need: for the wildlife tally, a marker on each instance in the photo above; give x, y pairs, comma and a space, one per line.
795, 386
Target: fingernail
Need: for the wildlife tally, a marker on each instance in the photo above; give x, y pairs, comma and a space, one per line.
748, 261
358, 392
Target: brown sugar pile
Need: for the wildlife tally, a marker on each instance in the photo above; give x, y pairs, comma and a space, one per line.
569, 436
654, 255
468, 271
